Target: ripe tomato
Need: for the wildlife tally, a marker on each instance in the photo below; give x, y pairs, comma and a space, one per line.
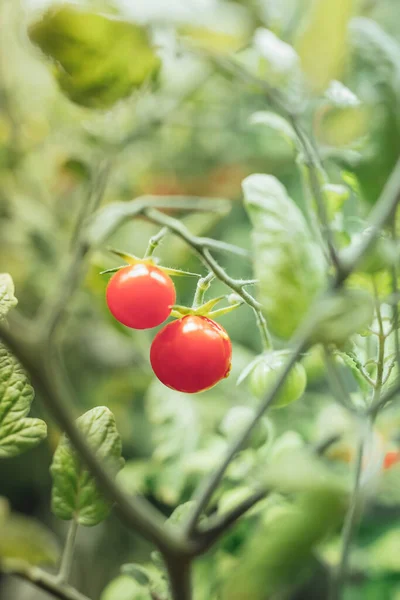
391, 458
140, 296
191, 354
265, 373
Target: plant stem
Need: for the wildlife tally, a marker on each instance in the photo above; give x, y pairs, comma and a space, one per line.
395, 292
219, 524
202, 286
312, 165
44, 581
154, 242
350, 521
180, 577
68, 553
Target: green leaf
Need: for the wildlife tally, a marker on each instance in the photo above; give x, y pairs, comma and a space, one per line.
342, 314
75, 493
25, 539
237, 418
18, 432
181, 513
288, 263
280, 549
279, 61
137, 572
7, 298
97, 60
275, 122
125, 587
321, 44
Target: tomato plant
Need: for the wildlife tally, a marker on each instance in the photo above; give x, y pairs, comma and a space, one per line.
121, 126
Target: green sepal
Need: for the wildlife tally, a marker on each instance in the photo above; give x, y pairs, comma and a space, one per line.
178, 272
131, 259
224, 311
113, 270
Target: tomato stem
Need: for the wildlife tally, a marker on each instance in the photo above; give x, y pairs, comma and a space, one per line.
202, 286
155, 241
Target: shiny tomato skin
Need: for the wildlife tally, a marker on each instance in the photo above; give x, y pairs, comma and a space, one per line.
140, 296
191, 354
391, 458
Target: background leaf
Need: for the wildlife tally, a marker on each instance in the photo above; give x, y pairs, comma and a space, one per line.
75, 493
326, 30
24, 538
17, 432
97, 60
7, 298
287, 263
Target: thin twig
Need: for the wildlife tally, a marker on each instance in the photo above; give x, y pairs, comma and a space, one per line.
395, 292
312, 165
68, 553
155, 241
350, 522
202, 286
219, 524
44, 581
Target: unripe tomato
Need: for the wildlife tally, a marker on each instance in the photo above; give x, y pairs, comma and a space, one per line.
265, 373
191, 354
140, 296
391, 458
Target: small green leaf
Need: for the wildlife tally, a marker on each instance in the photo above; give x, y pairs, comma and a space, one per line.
279, 60
7, 298
25, 539
97, 60
75, 493
273, 121
137, 572
125, 588
237, 418
181, 513
18, 432
288, 263
321, 44
342, 314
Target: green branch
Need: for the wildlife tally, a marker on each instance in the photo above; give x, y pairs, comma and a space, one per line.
44, 581
351, 520
68, 553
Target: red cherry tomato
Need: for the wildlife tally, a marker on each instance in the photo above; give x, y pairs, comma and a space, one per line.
391, 458
140, 296
191, 354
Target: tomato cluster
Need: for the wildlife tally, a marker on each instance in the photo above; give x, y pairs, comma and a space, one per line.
190, 354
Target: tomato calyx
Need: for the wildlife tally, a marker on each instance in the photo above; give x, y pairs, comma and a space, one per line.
206, 309
131, 259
